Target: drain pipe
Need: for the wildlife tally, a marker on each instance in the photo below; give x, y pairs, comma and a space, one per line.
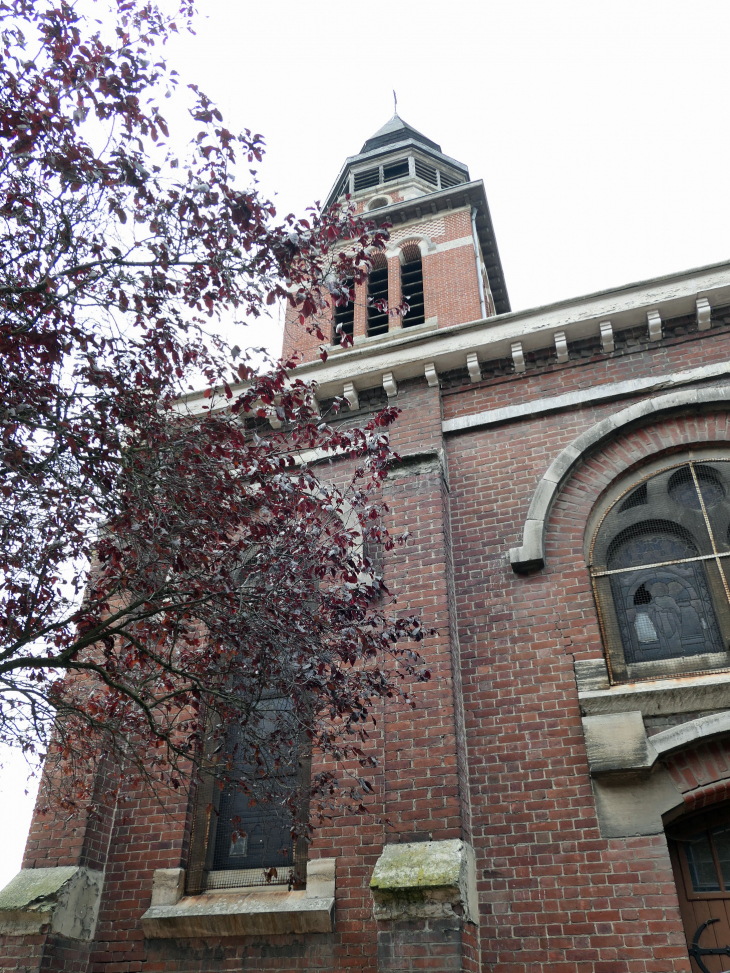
480, 280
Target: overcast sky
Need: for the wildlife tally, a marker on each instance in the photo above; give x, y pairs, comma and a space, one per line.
600, 130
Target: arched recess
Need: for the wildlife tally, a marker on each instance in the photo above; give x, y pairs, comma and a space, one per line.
531, 555
424, 243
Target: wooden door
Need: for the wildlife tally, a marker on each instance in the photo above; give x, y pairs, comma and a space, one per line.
700, 851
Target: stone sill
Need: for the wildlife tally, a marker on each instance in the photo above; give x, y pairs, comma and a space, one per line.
260, 912
680, 694
251, 911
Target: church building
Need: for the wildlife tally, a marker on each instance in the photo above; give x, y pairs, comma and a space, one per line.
558, 801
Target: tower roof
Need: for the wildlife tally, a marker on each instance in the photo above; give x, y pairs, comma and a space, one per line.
398, 158
396, 130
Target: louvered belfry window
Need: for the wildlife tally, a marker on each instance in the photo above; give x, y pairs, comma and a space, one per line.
660, 563
378, 319
412, 285
344, 317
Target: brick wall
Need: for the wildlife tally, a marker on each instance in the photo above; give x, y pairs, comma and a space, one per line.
451, 287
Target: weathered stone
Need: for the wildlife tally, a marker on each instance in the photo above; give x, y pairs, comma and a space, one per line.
168, 885
254, 912
617, 744
425, 879
631, 807
660, 697
66, 899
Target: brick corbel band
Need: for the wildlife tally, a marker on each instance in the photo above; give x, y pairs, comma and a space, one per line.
531, 556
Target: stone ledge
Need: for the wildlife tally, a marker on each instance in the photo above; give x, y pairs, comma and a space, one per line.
256, 911
64, 899
660, 697
260, 912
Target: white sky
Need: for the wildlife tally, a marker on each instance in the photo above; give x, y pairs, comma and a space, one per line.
600, 130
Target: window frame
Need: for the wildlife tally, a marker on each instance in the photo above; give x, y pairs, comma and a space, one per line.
599, 536
206, 801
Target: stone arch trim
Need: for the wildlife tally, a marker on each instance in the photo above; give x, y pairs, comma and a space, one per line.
531, 555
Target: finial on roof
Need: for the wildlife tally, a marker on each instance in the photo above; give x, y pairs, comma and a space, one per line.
395, 102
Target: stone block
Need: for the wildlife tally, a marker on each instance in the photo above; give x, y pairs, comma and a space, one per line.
616, 743
168, 885
628, 808
63, 899
425, 880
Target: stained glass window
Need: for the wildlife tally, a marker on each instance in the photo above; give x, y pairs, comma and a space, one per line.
659, 563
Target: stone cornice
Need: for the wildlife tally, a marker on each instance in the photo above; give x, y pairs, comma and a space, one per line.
408, 352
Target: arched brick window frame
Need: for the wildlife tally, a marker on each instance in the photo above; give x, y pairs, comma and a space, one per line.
411, 253
378, 319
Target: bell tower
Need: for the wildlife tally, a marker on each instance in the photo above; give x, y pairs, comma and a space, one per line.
442, 256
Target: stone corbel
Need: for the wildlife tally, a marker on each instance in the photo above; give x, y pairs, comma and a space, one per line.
607, 344
63, 900
351, 396
472, 364
561, 346
425, 880
390, 385
431, 375
518, 356
654, 322
704, 314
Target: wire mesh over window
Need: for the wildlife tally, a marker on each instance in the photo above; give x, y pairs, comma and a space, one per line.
240, 839
659, 566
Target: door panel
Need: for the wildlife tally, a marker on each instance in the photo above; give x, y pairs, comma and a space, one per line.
697, 907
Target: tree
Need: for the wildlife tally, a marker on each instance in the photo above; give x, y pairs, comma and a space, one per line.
168, 561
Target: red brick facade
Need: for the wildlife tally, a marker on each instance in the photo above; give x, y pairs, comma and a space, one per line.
494, 754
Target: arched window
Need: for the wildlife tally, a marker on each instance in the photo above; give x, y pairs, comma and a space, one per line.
412, 285
344, 317
239, 840
660, 563
378, 320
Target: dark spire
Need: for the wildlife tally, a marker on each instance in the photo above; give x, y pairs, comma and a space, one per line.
396, 130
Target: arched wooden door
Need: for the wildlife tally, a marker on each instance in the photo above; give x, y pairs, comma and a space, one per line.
700, 851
